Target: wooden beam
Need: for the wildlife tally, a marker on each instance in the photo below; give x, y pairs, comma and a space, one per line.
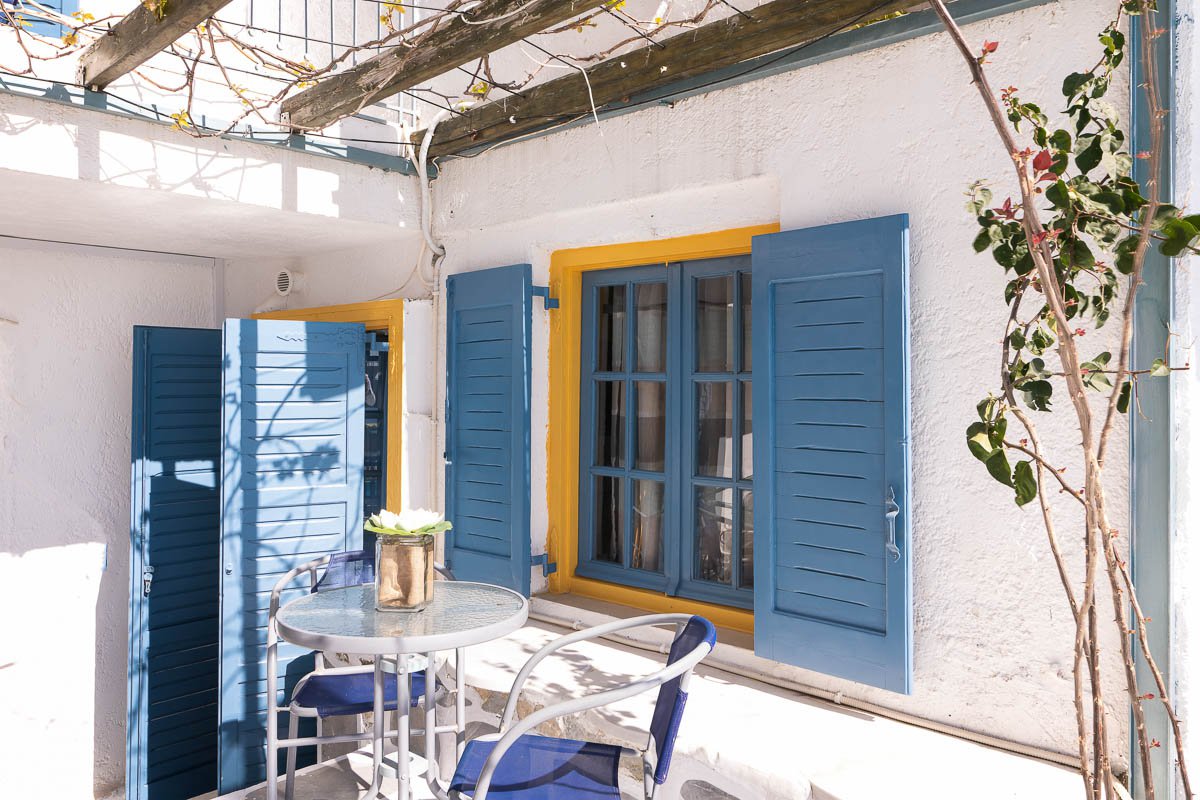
765, 29
450, 43
138, 36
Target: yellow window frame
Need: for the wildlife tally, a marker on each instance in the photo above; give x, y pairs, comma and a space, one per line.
562, 442
377, 315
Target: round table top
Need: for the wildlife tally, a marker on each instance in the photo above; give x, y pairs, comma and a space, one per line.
462, 614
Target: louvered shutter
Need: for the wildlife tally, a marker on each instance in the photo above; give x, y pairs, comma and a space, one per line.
175, 545
487, 425
831, 459
291, 490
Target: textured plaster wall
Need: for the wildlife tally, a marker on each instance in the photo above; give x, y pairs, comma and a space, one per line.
65, 394
898, 129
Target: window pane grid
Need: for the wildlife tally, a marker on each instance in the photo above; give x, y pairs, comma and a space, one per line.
666, 356
721, 479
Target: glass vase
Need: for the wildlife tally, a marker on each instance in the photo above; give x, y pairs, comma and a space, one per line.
403, 572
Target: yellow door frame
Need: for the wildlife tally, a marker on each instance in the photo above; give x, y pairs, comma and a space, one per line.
562, 442
378, 315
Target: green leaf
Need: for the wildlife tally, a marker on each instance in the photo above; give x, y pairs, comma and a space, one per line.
1010, 292
978, 441
1114, 202
1074, 82
1126, 249
1088, 153
1080, 254
1123, 398
1159, 369
983, 241
979, 197
986, 408
1179, 233
1037, 394
997, 467
1040, 342
1023, 261
1016, 339
1058, 195
1024, 483
1133, 197
996, 435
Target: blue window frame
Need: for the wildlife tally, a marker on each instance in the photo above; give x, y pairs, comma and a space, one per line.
665, 492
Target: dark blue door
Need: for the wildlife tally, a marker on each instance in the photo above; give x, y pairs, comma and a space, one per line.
175, 547
487, 425
291, 490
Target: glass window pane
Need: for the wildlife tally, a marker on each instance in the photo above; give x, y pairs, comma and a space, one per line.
647, 525
610, 518
714, 324
610, 328
747, 321
747, 401
714, 428
650, 434
610, 423
746, 579
651, 321
714, 534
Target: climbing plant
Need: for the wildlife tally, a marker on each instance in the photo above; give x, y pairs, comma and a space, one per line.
1073, 242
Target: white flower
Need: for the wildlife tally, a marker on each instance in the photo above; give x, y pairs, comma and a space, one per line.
389, 519
414, 519
409, 521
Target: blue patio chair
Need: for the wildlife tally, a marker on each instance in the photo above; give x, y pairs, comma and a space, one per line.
515, 764
331, 692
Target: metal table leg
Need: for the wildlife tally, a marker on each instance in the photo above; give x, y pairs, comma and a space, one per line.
403, 706
460, 702
377, 728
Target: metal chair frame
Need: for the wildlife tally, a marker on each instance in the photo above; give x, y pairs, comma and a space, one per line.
295, 712
510, 732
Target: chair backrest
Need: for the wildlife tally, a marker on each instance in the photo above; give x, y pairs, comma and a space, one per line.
352, 568
668, 708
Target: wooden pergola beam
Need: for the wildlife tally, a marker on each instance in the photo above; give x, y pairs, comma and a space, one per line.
138, 36
449, 43
765, 29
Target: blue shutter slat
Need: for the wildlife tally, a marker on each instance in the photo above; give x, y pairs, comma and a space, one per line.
830, 354
173, 681
487, 418
292, 488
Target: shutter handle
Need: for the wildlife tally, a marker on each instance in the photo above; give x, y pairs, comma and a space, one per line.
893, 510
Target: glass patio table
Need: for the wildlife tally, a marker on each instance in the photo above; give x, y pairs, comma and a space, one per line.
346, 621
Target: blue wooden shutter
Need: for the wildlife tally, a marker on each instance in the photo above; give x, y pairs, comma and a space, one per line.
487, 424
831, 435
291, 489
175, 538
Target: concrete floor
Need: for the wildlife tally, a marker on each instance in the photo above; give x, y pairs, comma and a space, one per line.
752, 740
349, 777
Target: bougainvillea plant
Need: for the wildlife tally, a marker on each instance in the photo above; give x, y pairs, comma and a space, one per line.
1073, 243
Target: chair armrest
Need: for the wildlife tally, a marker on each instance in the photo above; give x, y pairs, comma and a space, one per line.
291, 575
567, 707
648, 620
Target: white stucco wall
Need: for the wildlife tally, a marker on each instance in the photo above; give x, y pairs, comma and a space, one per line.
892, 130
65, 392
898, 129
